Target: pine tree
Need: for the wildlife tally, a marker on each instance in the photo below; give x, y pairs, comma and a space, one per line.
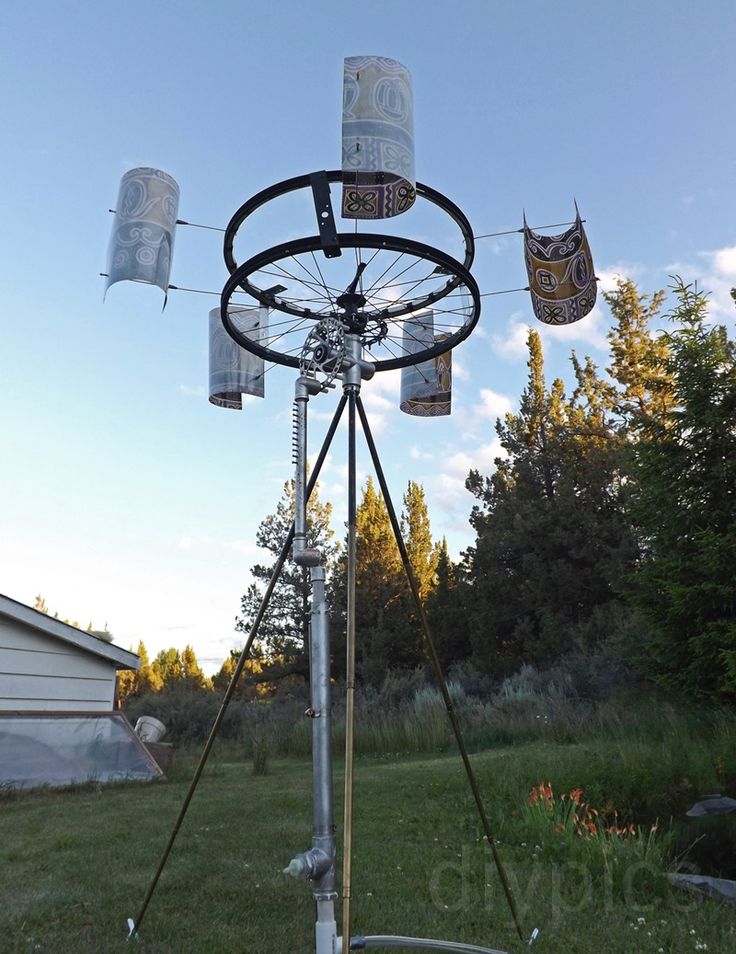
638, 355
379, 587
686, 508
168, 664
446, 612
415, 529
284, 630
250, 685
388, 632
125, 685
149, 679
554, 542
134, 682
191, 670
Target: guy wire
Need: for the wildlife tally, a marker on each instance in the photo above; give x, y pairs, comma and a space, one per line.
532, 228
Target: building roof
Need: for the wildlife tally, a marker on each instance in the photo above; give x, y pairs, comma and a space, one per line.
121, 658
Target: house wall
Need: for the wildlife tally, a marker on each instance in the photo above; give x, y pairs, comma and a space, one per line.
40, 673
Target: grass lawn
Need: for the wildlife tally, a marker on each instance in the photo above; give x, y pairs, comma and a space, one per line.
74, 865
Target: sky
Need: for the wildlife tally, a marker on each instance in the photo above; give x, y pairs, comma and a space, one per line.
130, 502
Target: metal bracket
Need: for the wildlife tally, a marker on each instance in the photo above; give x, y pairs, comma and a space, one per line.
325, 216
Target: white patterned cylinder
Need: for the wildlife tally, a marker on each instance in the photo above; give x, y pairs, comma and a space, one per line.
377, 138
426, 387
233, 370
142, 241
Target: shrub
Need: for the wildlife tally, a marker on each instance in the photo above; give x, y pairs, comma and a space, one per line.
260, 751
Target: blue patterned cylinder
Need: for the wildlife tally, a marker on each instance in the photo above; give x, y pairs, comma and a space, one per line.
426, 387
233, 370
377, 138
142, 240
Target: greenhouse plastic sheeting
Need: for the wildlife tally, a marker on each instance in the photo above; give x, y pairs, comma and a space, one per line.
67, 749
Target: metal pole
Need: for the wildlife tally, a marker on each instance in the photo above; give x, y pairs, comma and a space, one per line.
351, 380
318, 864
437, 666
324, 845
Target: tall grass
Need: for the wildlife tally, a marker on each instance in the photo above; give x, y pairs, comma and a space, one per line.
648, 758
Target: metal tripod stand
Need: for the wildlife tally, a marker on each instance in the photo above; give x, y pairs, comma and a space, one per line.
318, 864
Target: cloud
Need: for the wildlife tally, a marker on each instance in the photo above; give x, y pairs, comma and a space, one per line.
716, 279
446, 490
386, 382
608, 277
377, 420
459, 371
417, 454
512, 345
493, 404
381, 399
246, 548
724, 262
192, 390
720, 281
472, 419
590, 331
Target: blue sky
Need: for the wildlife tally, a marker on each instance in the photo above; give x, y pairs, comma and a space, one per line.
127, 498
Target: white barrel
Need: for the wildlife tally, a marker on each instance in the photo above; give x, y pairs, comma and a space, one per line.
149, 729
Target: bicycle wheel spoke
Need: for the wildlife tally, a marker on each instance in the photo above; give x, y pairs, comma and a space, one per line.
385, 272
324, 283
384, 290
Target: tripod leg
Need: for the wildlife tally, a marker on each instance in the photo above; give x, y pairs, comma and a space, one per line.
229, 692
436, 665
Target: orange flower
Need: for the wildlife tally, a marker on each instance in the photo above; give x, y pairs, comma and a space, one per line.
542, 792
580, 818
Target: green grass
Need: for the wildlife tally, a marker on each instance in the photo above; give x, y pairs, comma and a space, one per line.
75, 865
